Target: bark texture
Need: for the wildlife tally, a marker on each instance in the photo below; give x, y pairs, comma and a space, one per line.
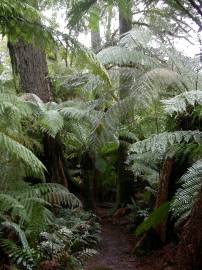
163, 194
54, 161
189, 249
29, 63
30, 66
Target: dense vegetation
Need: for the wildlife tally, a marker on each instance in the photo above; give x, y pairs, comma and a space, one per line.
119, 122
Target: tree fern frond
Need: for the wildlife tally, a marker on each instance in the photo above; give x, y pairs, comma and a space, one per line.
51, 122
187, 194
179, 103
160, 142
22, 257
86, 58
34, 101
20, 233
136, 38
155, 218
9, 204
52, 193
121, 56
163, 78
19, 151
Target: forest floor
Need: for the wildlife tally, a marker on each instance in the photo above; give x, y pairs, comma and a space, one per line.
116, 249
116, 246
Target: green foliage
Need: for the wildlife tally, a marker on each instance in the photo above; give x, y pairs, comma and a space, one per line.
160, 142
26, 213
179, 103
187, 194
23, 257
21, 19
154, 219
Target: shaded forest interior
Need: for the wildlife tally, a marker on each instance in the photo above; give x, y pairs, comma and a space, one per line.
100, 135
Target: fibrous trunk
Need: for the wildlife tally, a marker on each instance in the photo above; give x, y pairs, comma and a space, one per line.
163, 194
189, 249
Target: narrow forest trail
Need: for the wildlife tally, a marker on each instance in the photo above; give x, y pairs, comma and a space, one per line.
116, 246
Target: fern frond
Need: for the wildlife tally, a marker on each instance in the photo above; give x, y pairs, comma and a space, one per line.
187, 194
20, 256
155, 218
9, 204
179, 103
86, 58
52, 193
163, 78
19, 232
121, 56
19, 151
160, 142
51, 122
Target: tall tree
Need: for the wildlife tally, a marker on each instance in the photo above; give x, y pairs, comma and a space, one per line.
30, 66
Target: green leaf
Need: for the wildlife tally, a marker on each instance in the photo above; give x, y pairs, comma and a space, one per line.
154, 219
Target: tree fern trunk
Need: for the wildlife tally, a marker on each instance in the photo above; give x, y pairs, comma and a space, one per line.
123, 178
163, 194
88, 173
189, 249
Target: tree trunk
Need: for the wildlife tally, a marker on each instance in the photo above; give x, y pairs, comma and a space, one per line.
95, 35
163, 194
88, 174
95, 40
30, 66
189, 249
125, 20
124, 181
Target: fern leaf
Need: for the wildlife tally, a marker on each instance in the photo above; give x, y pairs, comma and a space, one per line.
51, 122
16, 228
154, 219
21, 152
187, 194
160, 142
179, 103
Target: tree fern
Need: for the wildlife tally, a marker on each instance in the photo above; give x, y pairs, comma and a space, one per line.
179, 103
160, 142
20, 152
154, 219
19, 232
9, 204
22, 257
188, 192
121, 56
52, 193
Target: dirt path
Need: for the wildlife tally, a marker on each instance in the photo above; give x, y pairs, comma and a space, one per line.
115, 250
